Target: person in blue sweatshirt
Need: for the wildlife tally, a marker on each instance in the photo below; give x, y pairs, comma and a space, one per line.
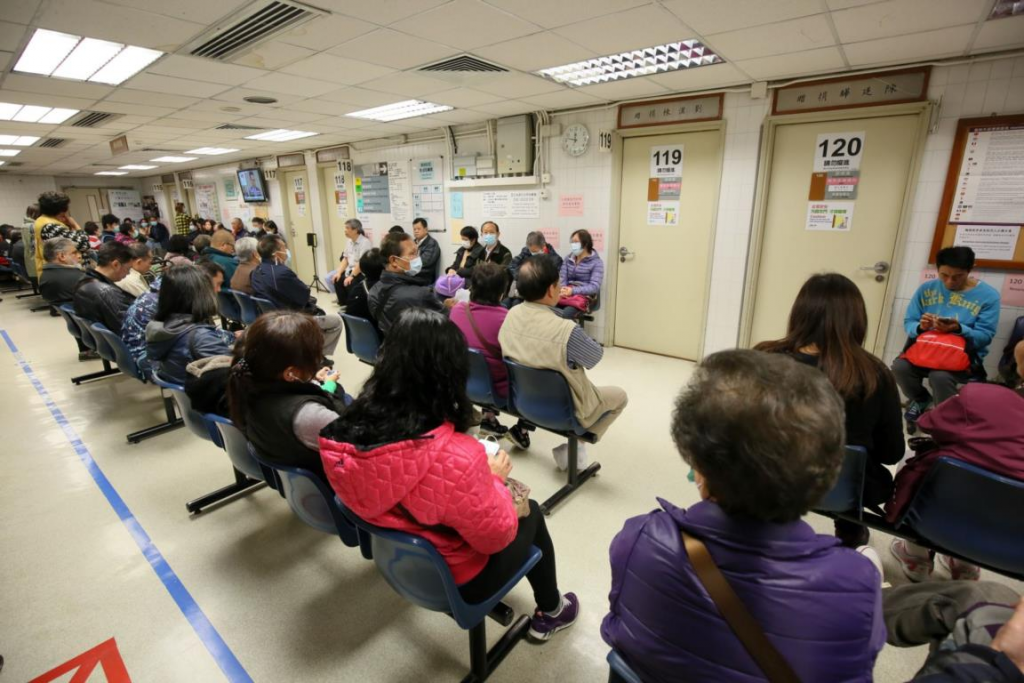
954, 303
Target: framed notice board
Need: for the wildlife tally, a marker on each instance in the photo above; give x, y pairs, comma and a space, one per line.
983, 202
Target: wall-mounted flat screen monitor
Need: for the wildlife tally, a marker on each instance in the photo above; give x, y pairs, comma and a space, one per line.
254, 187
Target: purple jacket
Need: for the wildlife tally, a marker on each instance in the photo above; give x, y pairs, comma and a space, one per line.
489, 320
818, 603
584, 277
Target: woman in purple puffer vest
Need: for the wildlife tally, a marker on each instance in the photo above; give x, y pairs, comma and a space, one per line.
765, 437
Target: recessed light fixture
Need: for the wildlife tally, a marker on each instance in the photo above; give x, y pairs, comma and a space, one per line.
27, 113
111, 173
211, 151
647, 61
136, 167
259, 99
9, 152
1006, 8
174, 159
281, 135
2, 163
18, 140
62, 55
400, 110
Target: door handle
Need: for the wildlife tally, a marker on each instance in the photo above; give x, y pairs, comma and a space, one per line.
624, 253
881, 268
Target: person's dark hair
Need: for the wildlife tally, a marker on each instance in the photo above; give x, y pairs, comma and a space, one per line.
53, 203
268, 246
32, 211
201, 242
536, 276
356, 225
211, 224
112, 251
418, 383
186, 291
586, 241
140, 250
536, 239
765, 431
91, 228
5, 230
829, 312
126, 228
396, 230
109, 219
486, 223
271, 225
371, 264
391, 245
470, 233
258, 221
487, 284
178, 244
276, 341
210, 267
955, 257
420, 220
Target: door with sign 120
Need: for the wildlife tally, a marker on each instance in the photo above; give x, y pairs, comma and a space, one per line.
839, 152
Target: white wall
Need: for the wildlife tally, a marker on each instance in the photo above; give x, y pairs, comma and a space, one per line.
19, 191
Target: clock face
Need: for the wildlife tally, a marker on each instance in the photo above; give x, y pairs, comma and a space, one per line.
575, 139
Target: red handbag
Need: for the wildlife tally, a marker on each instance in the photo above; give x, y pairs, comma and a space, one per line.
939, 351
577, 301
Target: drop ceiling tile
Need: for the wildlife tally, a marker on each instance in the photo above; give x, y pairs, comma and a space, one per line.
465, 97
506, 108
389, 48
635, 28
466, 24
822, 60
562, 100
409, 85
1000, 33
207, 116
139, 97
729, 15
900, 17
326, 32
359, 96
238, 95
20, 11
337, 70
624, 90
316, 106
714, 76
287, 114
182, 123
51, 86
94, 19
207, 70
273, 55
944, 42
6, 59
202, 11
845, 4
16, 97
796, 35
291, 84
552, 14
177, 86
457, 116
339, 123
236, 109
513, 85
134, 109
537, 51
11, 35
381, 12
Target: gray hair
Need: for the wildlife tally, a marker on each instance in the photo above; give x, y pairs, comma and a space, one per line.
356, 225
140, 250
536, 239
57, 246
765, 431
245, 249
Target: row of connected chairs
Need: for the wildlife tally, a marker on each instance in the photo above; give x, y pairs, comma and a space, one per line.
540, 397
241, 308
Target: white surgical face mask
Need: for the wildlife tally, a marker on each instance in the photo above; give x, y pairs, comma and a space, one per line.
489, 240
466, 244
575, 247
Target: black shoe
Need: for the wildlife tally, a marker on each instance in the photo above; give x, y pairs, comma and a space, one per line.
851, 534
491, 424
88, 355
520, 437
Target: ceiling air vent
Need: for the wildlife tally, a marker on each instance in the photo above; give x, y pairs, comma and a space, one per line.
235, 126
53, 142
258, 23
464, 63
91, 119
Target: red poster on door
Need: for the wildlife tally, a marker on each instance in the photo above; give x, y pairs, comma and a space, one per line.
105, 654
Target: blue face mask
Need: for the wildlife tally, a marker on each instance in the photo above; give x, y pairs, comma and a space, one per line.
575, 247
489, 240
415, 266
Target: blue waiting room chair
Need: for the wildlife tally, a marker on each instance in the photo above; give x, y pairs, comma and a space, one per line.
361, 338
229, 308
248, 474
847, 495
619, 670
246, 308
88, 340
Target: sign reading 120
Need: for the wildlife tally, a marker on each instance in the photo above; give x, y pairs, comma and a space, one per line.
839, 151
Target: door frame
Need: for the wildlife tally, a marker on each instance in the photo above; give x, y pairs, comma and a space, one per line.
613, 237
923, 111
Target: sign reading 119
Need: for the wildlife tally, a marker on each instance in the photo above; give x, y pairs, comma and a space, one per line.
668, 157
839, 151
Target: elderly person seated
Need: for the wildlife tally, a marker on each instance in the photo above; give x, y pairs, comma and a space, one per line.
61, 272
764, 436
248, 261
222, 252
135, 282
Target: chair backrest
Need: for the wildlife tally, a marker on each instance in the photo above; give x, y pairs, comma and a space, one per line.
246, 307
361, 338
971, 512
102, 345
847, 495
88, 336
122, 356
621, 672
236, 446
228, 305
192, 419
542, 397
66, 311
264, 305
479, 385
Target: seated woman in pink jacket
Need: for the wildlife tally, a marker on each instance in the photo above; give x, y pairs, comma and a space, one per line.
400, 458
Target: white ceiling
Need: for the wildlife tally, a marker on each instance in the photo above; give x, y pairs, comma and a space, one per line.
365, 54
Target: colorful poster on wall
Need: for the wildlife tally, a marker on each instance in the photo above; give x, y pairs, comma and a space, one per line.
125, 204
340, 195
570, 205
551, 236
662, 213
829, 216
206, 199
373, 193
997, 242
230, 189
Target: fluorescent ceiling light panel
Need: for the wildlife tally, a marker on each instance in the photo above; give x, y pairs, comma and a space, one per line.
31, 114
9, 152
8, 110
659, 59
61, 55
18, 140
211, 151
2, 163
174, 160
400, 110
136, 167
58, 115
280, 135
111, 173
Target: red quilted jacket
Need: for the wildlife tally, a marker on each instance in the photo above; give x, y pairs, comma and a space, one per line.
438, 486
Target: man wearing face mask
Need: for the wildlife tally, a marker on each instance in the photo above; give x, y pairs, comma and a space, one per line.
430, 251
494, 250
398, 288
468, 254
275, 281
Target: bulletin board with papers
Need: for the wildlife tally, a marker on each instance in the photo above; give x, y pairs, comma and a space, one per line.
983, 202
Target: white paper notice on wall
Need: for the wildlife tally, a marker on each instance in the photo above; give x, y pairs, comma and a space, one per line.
839, 151
525, 204
997, 242
663, 213
125, 203
829, 216
667, 161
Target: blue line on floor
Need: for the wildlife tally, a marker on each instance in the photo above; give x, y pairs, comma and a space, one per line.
212, 640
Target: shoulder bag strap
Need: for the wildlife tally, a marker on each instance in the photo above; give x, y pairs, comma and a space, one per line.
491, 348
742, 623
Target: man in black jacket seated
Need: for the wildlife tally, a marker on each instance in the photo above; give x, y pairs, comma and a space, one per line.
398, 288
61, 272
430, 252
96, 297
277, 282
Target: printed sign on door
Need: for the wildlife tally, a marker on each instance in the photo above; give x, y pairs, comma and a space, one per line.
839, 152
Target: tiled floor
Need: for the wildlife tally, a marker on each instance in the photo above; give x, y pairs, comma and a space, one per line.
290, 604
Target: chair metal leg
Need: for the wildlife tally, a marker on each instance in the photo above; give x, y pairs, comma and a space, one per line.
41, 307
243, 484
484, 662
107, 371
173, 422
577, 478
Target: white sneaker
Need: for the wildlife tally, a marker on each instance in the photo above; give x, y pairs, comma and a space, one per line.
872, 555
561, 454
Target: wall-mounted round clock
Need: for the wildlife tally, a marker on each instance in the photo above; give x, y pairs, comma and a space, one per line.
575, 140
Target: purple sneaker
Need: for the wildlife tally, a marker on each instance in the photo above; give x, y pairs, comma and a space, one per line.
542, 626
